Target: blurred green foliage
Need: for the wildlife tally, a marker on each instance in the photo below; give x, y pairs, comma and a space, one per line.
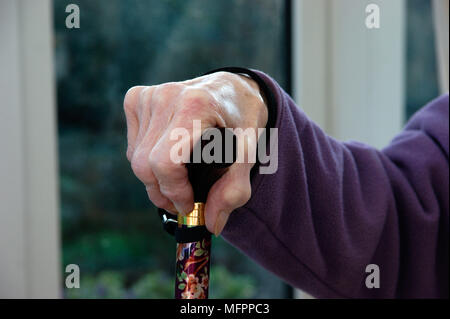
109, 227
157, 284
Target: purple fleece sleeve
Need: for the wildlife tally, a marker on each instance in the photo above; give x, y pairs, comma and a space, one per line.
333, 208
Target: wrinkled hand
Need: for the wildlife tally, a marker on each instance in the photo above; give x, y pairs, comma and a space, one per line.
219, 100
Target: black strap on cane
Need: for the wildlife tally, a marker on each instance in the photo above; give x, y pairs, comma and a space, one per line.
169, 221
182, 234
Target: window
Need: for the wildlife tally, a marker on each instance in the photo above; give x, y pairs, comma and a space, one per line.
109, 227
421, 67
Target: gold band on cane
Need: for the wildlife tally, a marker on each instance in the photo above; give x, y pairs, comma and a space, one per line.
195, 218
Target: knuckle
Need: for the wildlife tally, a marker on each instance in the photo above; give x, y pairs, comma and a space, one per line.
196, 104
236, 196
157, 164
129, 153
165, 92
196, 100
137, 167
246, 195
145, 96
141, 168
131, 98
171, 87
172, 193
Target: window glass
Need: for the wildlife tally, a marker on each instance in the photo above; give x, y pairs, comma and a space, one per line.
109, 227
421, 69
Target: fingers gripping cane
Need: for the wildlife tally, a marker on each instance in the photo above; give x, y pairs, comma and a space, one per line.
193, 239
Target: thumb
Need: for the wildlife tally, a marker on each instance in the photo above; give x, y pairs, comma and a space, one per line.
231, 191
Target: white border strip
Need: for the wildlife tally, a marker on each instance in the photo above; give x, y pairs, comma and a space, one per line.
29, 218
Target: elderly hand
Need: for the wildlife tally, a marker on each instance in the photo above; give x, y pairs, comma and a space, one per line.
220, 99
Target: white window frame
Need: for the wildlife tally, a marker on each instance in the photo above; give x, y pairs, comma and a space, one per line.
441, 29
29, 209
347, 78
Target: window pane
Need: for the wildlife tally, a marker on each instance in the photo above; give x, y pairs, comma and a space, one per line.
421, 75
109, 227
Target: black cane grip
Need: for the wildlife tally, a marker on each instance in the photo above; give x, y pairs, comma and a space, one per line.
210, 159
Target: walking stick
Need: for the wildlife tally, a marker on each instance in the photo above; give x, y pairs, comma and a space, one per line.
193, 239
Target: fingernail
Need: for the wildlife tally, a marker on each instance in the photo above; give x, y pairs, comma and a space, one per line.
220, 223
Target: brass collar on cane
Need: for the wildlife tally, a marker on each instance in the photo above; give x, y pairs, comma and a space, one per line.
195, 218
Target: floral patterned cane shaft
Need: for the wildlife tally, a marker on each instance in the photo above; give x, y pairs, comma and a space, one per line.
193, 270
